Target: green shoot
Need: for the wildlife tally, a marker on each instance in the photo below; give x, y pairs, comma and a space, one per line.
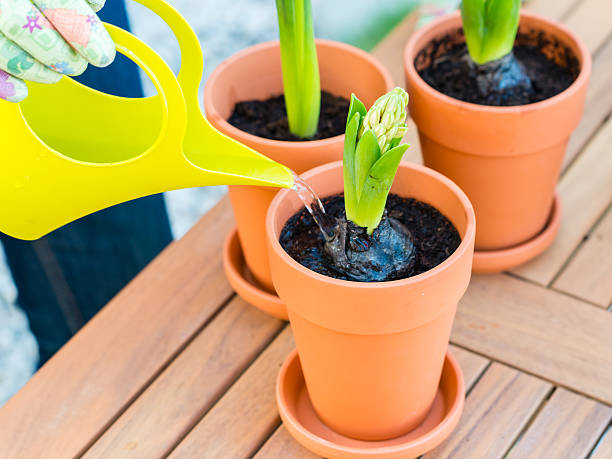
372, 155
490, 27
301, 79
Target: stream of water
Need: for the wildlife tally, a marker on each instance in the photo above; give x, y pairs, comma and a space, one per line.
311, 201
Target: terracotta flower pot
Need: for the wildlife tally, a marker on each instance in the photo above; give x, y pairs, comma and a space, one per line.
507, 159
372, 353
255, 73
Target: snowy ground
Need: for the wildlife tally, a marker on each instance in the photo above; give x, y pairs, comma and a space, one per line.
222, 31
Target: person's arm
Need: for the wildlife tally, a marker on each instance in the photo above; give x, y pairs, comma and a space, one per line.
42, 40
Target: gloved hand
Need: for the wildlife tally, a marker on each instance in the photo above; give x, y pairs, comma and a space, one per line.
41, 40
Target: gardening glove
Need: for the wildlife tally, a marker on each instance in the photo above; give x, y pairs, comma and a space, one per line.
42, 40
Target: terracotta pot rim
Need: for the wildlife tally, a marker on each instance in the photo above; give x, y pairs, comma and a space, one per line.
447, 21
456, 256
236, 133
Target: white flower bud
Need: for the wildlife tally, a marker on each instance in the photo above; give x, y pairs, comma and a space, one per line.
382, 143
386, 118
379, 130
392, 105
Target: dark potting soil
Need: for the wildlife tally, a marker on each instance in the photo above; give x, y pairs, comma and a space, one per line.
268, 118
433, 236
551, 66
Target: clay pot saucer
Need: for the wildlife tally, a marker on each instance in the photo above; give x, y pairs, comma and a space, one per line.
306, 428
243, 282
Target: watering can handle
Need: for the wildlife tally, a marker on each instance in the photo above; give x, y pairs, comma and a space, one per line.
171, 89
191, 71
192, 61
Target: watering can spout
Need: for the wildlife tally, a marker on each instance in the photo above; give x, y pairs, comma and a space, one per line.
69, 151
227, 161
238, 166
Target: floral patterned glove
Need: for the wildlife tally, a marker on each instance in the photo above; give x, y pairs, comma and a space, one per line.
41, 40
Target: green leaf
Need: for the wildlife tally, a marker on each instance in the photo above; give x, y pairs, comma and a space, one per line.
501, 22
356, 107
473, 18
301, 81
350, 141
376, 188
490, 27
366, 154
394, 143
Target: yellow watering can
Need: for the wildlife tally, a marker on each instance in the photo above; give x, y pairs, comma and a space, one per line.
68, 150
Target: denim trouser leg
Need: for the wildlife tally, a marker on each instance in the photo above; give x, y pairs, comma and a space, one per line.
65, 278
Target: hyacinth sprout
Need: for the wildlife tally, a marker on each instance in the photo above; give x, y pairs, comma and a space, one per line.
372, 154
490, 27
301, 79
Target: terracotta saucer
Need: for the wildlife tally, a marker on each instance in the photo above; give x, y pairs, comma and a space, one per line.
493, 261
303, 424
243, 282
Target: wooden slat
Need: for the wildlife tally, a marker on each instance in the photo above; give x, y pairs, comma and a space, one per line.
495, 412
179, 397
585, 194
604, 449
540, 331
281, 445
598, 104
592, 21
74, 397
555, 9
246, 415
566, 428
588, 275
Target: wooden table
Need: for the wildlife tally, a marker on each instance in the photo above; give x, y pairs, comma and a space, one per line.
177, 365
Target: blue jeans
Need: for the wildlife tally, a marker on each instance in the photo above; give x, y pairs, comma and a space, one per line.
65, 278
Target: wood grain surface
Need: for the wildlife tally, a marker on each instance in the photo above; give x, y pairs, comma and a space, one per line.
540, 331
170, 407
495, 412
588, 275
246, 415
566, 428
